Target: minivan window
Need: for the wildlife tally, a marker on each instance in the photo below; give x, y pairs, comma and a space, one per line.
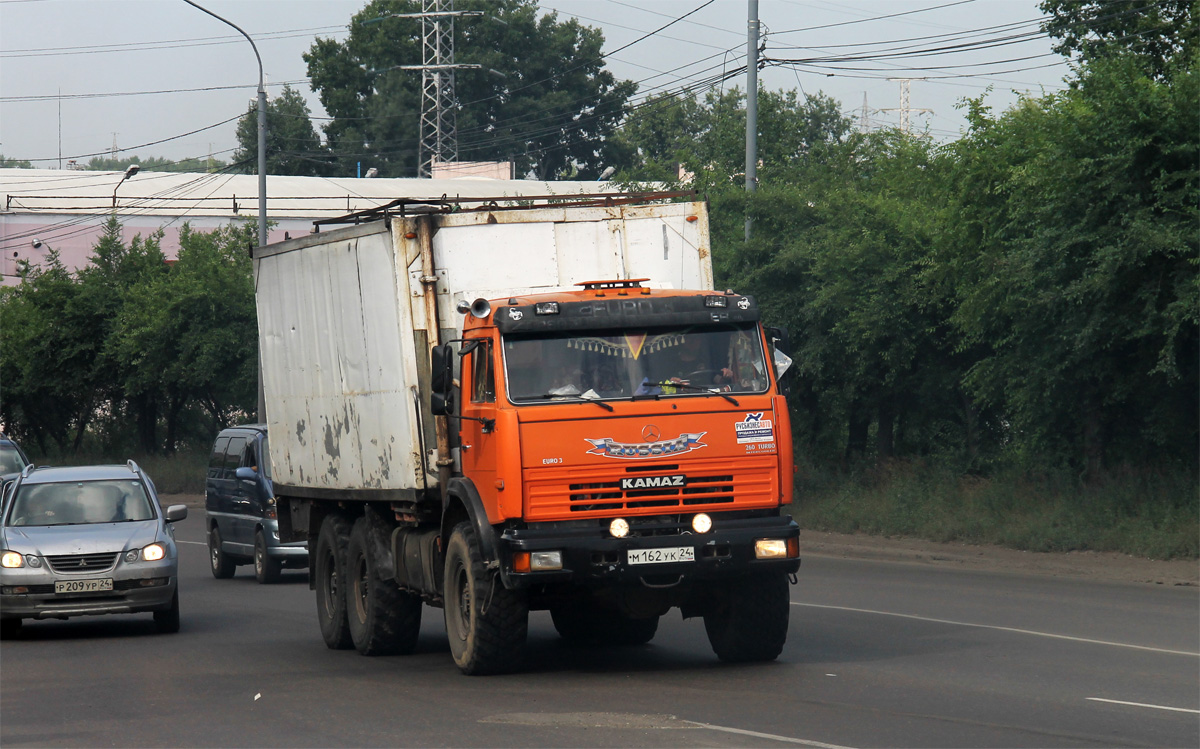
265, 464
233, 456
216, 461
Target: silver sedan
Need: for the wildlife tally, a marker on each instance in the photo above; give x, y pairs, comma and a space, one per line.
87, 540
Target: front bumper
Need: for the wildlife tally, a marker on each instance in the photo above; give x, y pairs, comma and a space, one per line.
592, 557
293, 554
151, 589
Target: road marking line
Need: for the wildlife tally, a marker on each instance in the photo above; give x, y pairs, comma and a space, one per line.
1143, 704
197, 543
771, 736
1002, 629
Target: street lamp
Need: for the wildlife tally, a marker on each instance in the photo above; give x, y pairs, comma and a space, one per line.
262, 174
262, 132
132, 170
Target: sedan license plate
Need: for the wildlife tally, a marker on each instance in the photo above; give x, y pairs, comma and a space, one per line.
662, 556
83, 586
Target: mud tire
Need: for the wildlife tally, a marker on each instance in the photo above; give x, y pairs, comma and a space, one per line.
383, 619
329, 574
751, 622
486, 623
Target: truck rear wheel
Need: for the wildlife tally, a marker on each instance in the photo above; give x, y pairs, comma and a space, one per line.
383, 619
584, 623
751, 622
329, 575
486, 623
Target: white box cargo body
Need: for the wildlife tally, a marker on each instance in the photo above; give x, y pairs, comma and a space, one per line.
344, 335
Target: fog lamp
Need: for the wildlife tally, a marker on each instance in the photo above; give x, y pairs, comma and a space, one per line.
12, 559
702, 523
619, 528
154, 552
132, 555
546, 308
544, 561
716, 301
770, 548
33, 560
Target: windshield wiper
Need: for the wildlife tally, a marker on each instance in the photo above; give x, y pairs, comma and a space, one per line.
698, 389
576, 397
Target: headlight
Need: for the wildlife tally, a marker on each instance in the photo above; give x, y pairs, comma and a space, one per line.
770, 548
702, 523
619, 528
154, 552
11, 560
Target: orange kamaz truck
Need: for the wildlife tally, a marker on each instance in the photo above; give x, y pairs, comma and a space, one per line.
494, 408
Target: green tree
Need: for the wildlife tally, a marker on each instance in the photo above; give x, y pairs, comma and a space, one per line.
155, 164
1162, 34
1074, 261
541, 97
293, 146
7, 163
190, 336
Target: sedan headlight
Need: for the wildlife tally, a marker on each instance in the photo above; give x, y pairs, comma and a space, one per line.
12, 560
154, 552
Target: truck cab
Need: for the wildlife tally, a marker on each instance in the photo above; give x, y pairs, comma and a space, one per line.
632, 452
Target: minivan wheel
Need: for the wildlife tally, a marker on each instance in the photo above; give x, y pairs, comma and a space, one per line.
266, 568
329, 575
218, 561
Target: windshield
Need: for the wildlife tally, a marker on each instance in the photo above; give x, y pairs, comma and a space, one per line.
80, 503
657, 361
10, 459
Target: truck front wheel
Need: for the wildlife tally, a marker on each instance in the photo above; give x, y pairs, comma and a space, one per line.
486, 623
750, 622
329, 575
383, 619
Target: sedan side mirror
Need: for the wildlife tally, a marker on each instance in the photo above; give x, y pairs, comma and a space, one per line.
176, 512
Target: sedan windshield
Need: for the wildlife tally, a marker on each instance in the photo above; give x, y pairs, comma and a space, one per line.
80, 503
599, 365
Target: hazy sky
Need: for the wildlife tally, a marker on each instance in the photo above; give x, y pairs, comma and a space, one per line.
138, 72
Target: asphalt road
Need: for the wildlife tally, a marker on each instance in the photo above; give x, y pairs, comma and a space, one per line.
879, 654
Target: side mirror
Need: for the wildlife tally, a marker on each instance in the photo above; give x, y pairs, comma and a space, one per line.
441, 383
246, 473
176, 512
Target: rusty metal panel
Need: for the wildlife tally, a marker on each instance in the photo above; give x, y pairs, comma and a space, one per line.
507, 253
339, 371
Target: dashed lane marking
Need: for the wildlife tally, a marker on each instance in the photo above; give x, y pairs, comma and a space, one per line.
1002, 629
1143, 704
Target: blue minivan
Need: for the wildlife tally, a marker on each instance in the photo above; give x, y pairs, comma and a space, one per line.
239, 500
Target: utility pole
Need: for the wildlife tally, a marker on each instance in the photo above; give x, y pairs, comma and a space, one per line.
904, 109
751, 105
439, 120
864, 124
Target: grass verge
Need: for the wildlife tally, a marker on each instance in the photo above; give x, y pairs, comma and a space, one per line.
1146, 513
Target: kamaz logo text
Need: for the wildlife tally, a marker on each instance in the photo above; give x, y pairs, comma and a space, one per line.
653, 482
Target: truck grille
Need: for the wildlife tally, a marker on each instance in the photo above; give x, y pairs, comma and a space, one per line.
83, 562
722, 484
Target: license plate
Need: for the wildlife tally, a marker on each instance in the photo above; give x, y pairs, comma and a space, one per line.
83, 586
662, 556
